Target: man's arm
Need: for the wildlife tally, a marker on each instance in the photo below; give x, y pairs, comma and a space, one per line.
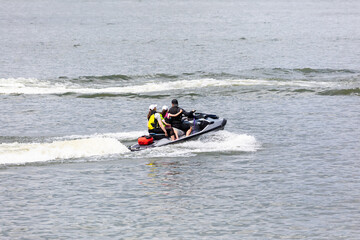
175, 115
188, 114
161, 125
163, 128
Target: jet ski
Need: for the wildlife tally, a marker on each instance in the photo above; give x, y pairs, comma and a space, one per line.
201, 122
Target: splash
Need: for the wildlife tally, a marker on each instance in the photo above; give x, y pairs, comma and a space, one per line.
20, 153
221, 142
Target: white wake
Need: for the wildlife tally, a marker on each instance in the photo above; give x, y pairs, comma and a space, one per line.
79, 146
19, 153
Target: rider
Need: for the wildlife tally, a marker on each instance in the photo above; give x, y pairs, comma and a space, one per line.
165, 113
156, 122
176, 121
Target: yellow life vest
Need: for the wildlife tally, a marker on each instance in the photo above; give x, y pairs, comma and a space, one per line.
153, 122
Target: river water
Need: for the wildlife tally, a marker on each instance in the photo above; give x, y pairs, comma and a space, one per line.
76, 80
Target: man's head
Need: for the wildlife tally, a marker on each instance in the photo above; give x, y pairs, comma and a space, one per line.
174, 102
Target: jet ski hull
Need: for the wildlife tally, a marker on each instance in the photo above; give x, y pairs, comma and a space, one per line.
205, 124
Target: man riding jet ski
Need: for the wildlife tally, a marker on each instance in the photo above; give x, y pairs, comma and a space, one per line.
176, 122
195, 125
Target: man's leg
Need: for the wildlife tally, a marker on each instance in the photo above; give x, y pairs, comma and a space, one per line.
189, 131
171, 134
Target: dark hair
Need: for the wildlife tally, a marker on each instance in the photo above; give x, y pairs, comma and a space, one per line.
164, 112
174, 101
151, 112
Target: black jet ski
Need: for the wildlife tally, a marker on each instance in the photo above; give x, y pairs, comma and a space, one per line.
202, 123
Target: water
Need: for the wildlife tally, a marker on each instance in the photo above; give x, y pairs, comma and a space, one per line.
76, 79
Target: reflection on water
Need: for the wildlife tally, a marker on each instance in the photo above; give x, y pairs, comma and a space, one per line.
162, 174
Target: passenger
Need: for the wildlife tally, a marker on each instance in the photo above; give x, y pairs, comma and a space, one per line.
166, 115
154, 119
176, 121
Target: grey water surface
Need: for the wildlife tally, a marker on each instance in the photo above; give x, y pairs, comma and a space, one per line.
285, 74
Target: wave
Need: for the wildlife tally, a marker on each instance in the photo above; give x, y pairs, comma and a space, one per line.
128, 95
345, 92
22, 153
306, 72
324, 70
107, 77
121, 77
37, 87
266, 72
302, 90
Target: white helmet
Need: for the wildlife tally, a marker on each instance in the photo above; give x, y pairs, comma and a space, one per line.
152, 106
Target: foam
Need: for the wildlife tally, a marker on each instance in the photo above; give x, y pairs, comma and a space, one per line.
221, 141
20, 153
34, 86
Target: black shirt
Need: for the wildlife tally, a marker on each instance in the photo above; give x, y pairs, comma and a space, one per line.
177, 120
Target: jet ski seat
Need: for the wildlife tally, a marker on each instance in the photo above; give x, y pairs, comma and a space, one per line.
202, 123
179, 132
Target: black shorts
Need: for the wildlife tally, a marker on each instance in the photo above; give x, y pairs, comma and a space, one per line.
184, 127
156, 130
169, 131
